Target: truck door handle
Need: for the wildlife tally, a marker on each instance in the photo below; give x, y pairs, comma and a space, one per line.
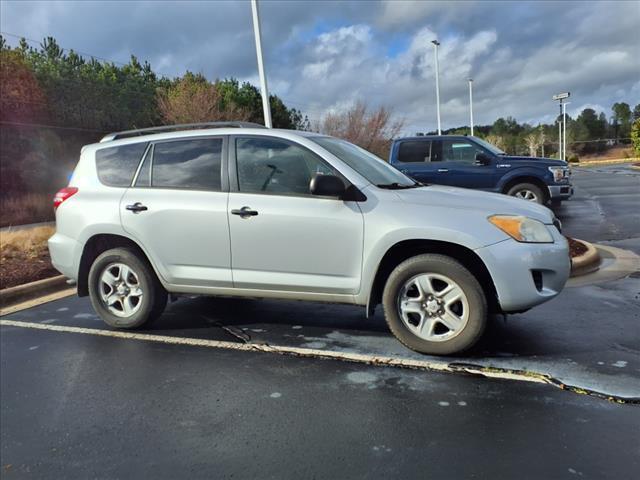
136, 207
443, 170
244, 212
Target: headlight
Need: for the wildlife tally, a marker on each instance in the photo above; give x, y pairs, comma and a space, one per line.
559, 173
522, 229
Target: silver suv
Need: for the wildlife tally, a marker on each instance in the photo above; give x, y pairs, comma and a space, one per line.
236, 209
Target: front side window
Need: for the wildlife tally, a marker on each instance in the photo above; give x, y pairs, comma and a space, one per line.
459, 151
194, 164
414, 151
117, 165
269, 165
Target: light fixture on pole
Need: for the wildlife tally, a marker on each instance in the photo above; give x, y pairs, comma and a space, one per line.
561, 144
435, 53
471, 104
263, 78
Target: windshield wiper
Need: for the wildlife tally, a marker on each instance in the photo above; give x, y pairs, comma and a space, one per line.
398, 186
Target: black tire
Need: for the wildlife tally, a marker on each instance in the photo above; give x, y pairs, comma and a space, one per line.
154, 298
440, 265
541, 198
555, 202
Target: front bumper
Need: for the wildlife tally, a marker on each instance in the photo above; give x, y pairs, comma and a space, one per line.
560, 192
527, 274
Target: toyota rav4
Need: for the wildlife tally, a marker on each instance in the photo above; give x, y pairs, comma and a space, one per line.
238, 210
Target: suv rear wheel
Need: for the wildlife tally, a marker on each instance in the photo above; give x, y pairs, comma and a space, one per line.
529, 192
124, 289
434, 305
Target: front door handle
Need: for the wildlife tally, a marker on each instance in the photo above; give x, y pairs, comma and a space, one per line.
443, 170
136, 207
244, 212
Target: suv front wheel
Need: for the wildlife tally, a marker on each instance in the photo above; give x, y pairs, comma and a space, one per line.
434, 305
124, 289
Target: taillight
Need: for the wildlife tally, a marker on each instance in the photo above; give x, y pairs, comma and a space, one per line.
62, 195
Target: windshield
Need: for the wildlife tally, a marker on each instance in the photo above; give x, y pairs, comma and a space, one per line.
492, 148
373, 168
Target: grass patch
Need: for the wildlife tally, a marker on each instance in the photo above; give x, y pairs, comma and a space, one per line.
24, 256
25, 209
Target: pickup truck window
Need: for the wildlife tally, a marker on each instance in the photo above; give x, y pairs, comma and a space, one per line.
415, 151
459, 151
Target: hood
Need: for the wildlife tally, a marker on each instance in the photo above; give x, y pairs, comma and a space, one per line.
549, 162
485, 203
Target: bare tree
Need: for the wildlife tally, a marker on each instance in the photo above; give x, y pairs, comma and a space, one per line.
371, 130
497, 140
193, 99
533, 143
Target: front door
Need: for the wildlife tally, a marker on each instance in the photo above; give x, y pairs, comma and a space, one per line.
282, 237
177, 210
460, 168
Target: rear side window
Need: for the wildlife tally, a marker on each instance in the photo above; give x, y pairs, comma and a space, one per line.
414, 151
117, 165
194, 164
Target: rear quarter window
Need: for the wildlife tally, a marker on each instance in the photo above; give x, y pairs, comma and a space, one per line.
116, 166
414, 151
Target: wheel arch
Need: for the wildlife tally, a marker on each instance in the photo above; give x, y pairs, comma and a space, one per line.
405, 249
98, 244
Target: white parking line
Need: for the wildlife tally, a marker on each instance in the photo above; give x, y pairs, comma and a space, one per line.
297, 351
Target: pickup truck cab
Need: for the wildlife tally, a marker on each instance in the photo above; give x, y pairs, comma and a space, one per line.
470, 162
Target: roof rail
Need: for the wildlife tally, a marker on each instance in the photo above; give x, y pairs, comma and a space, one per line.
172, 128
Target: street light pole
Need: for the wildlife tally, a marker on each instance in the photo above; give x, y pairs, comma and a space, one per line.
471, 104
435, 53
263, 78
562, 145
564, 130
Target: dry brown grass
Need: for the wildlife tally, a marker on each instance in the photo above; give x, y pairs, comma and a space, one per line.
24, 209
24, 256
26, 244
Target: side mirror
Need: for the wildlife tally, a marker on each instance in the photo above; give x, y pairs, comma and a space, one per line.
482, 159
327, 186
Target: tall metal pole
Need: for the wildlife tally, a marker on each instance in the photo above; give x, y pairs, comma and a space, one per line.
471, 104
263, 78
435, 53
564, 131
560, 133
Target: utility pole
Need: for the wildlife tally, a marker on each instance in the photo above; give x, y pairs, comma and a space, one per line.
263, 78
471, 104
435, 53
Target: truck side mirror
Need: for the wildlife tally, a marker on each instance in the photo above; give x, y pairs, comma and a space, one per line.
482, 159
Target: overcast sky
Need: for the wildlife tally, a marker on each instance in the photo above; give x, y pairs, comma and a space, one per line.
323, 56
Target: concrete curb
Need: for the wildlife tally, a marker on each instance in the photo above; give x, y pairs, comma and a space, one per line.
588, 262
595, 163
29, 291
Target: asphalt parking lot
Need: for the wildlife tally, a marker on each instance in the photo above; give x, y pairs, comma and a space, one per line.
77, 404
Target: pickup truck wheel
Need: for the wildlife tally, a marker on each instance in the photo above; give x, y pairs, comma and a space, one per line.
434, 305
527, 191
124, 289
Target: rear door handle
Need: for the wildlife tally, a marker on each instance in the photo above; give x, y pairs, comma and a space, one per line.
136, 207
443, 170
244, 212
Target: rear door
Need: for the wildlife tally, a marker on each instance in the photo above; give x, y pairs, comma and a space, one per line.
177, 210
283, 238
416, 158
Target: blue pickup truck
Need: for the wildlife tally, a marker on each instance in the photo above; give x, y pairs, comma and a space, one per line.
470, 162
